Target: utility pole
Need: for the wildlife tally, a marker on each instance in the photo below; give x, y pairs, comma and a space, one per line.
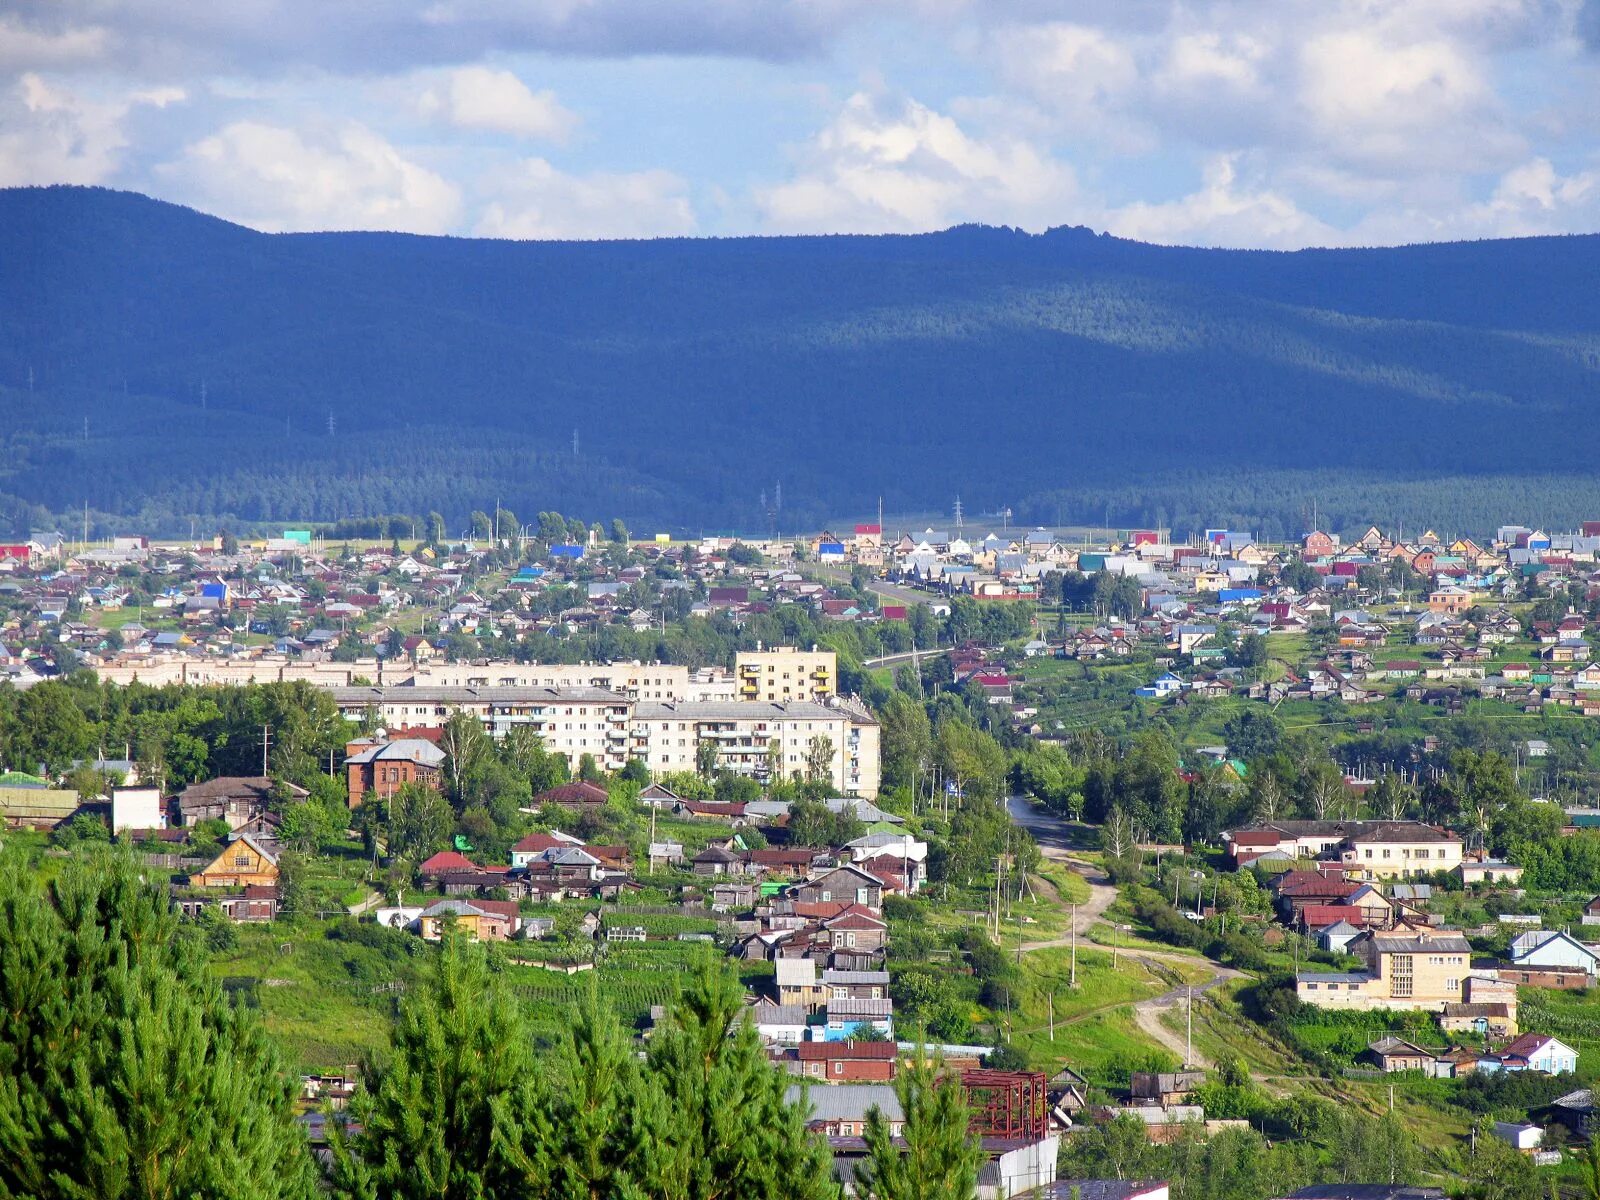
1074, 975
1188, 1039
1051, 1001
266, 741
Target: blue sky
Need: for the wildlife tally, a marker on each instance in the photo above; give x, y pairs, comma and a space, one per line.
1266, 123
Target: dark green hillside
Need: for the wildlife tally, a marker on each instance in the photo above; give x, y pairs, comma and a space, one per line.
1039, 371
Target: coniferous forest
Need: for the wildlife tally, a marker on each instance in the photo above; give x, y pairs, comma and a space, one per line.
161, 366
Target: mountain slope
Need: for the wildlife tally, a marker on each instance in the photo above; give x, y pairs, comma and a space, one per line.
211, 363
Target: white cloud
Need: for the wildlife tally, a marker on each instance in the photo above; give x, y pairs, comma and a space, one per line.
50, 134
1401, 108
535, 200
340, 177
496, 101
1223, 213
902, 167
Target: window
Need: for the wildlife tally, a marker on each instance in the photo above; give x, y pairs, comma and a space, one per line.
1452, 985
241, 859
1401, 981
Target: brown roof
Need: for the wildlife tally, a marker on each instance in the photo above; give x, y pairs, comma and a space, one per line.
577, 792
819, 1051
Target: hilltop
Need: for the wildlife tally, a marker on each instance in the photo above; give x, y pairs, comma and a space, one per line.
182, 365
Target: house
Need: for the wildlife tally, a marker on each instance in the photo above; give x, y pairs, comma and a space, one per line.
1532, 1052
1498, 1019
1551, 949
1408, 967
785, 1024
796, 985
843, 1062
243, 862
1164, 1087
480, 920
841, 1111
848, 883
383, 767
236, 799
714, 861
447, 862
1519, 1135
1395, 1054
1488, 870
1164, 685
577, 794
538, 845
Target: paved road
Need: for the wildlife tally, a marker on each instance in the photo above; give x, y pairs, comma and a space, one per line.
895, 592
894, 660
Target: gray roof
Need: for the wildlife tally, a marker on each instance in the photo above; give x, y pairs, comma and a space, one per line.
1332, 977
736, 710
470, 695
830, 976
767, 1013
847, 1101
852, 1007
418, 750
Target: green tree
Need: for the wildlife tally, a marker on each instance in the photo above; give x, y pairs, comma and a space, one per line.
127, 1074
594, 1108
454, 1111
906, 739
939, 1158
419, 822
716, 1121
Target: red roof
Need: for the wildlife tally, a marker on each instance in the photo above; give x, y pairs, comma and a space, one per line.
854, 917
1316, 916
500, 908
447, 860
1255, 837
821, 1051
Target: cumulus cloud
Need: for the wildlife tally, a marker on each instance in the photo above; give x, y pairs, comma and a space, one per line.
1222, 212
51, 134
496, 101
535, 200
338, 177
900, 166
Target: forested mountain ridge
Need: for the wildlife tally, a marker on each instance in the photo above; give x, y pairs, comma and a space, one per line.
183, 366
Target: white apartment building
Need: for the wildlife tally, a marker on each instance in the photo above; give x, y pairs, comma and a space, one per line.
640, 681
783, 674
666, 735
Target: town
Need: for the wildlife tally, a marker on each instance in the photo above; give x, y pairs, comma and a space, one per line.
1173, 852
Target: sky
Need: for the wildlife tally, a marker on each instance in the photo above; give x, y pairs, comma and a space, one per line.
1252, 123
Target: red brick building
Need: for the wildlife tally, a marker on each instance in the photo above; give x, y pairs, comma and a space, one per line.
843, 1062
380, 766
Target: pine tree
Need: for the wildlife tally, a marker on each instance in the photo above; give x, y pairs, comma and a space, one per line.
455, 1111
715, 1121
123, 1070
593, 1109
940, 1159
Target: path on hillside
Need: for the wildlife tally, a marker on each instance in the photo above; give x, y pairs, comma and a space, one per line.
1057, 842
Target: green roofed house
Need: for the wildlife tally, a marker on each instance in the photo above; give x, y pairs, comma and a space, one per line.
26, 801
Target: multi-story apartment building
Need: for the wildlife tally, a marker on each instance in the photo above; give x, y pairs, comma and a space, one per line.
1372, 849
783, 674
753, 738
640, 681
1408, 967
762, 740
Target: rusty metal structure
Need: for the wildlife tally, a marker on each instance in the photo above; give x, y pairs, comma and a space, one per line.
1007, 1104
